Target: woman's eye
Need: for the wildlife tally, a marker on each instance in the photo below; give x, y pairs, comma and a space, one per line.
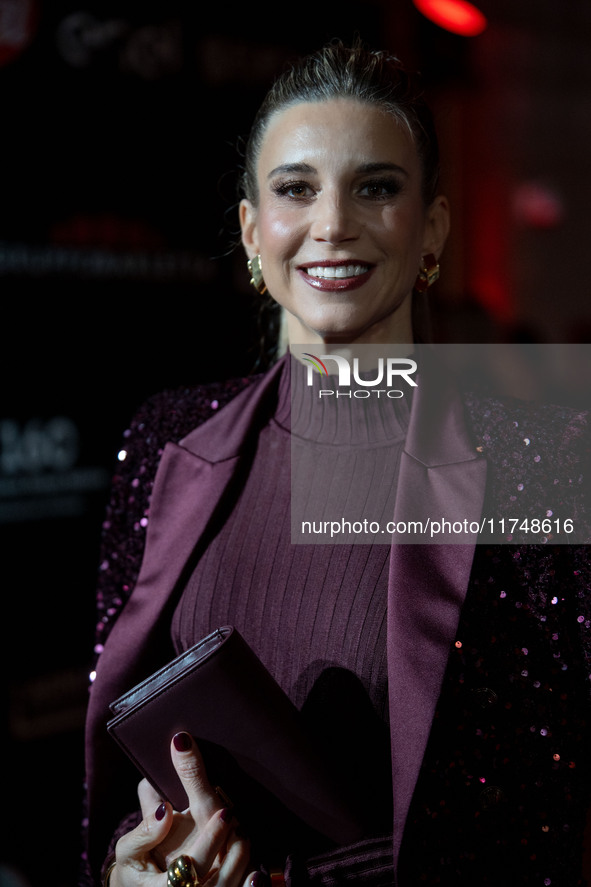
380, 190
295, 190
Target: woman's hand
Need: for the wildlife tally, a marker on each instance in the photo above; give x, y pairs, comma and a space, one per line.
205, 831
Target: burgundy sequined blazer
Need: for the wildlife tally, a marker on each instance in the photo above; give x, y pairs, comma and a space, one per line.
489, 645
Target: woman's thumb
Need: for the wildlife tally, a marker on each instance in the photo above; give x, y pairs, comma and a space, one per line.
134, 846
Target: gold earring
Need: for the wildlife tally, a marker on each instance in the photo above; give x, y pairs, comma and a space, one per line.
428, 273
256, 274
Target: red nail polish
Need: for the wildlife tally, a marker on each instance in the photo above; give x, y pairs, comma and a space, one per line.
182, 742
160, 812
226, 814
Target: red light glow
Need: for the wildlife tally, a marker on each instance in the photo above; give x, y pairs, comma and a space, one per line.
457, 16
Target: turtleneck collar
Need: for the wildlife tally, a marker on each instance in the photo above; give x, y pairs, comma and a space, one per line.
339, 421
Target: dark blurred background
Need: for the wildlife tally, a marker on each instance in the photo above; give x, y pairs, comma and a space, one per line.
118, 145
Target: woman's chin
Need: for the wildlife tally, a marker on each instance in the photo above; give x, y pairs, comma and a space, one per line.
323, 330
341, 323
324, 335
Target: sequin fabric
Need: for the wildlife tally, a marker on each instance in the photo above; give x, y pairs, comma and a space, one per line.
505, 782
538, 464
168, 416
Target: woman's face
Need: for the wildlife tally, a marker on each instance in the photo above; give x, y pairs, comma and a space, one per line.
340, 224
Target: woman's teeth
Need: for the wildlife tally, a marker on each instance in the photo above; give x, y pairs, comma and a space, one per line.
337, 271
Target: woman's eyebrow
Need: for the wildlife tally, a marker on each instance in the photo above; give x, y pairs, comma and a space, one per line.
292, 167
380, 166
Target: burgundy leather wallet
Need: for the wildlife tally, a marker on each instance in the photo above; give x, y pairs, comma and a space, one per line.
253, 740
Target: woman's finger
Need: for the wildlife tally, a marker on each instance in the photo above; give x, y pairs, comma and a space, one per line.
228, 866
148, 797
132, 853
189, 765
205, 846
214, 841
235, 863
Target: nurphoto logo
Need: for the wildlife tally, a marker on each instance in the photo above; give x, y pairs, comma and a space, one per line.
385, 373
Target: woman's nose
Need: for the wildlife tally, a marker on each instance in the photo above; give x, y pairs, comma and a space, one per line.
334, 220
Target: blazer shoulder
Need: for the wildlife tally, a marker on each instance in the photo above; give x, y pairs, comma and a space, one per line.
166, 416
538, 463
505, 427
171, 414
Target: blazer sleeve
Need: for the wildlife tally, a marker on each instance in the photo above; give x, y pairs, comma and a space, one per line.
168, 416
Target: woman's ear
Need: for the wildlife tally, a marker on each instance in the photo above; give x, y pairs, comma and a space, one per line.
250, 241
436, 226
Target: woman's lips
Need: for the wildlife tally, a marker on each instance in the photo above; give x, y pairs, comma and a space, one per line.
334, 276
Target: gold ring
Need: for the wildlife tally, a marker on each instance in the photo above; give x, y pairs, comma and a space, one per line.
182, 873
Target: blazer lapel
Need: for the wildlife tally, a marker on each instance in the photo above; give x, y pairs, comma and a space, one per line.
191, 480
441, 476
